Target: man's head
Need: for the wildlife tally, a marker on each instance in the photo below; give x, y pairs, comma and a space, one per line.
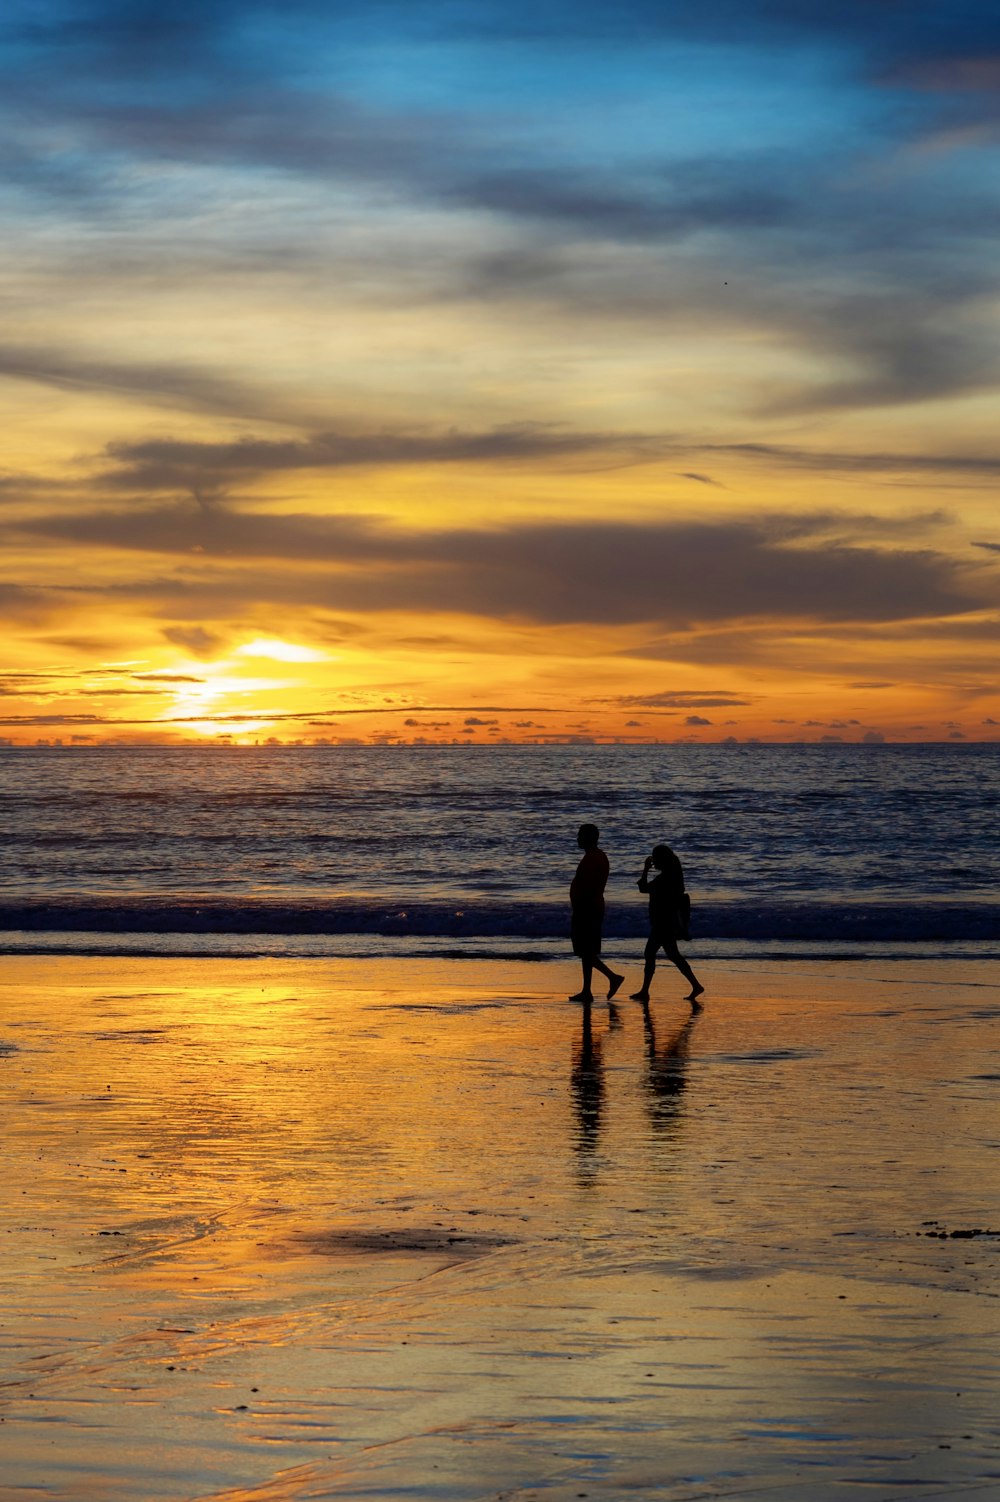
588, 836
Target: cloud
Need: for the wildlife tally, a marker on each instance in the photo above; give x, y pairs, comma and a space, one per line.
170, 464
878, 270
25, 603
205, 468
166, 678
696, 719
904, 348
675, 573
701, 479
669, 699
985, 466
119, 693
671, 203
195, 639
171, 384
318, 718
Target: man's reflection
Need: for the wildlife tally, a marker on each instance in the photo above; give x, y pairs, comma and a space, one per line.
666, 1070
586, 1083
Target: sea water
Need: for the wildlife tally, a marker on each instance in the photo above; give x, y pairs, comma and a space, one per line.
823, 849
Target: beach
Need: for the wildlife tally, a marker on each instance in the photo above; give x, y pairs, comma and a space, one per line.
392, 1228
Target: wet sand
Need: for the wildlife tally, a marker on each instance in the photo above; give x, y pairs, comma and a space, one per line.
315, 1229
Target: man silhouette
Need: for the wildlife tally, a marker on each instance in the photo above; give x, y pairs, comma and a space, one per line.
586, 896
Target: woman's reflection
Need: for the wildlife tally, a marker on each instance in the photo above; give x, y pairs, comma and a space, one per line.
666, 1070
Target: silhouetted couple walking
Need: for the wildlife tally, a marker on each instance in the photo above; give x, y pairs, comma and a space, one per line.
668, 916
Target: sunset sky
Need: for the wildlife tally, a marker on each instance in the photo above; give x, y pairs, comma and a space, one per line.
492, 371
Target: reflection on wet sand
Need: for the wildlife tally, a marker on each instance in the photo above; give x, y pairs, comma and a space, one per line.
312, 1231
586, 1085
666, 1069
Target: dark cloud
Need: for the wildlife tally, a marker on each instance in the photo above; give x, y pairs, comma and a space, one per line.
437, 639
905, 348
25, 603
670, 204
120, 693
981, 628
701, 479
166, 464
171, 385
57, 676
91, 644
670, 699
985, 466
678, 573
206, 468
195, 639
166, 678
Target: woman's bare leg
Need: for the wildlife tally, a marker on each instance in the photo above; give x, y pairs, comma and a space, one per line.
649, 968
675, 957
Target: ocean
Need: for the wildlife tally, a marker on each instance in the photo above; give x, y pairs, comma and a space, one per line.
836, 851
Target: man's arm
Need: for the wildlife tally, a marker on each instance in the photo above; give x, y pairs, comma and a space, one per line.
591, 877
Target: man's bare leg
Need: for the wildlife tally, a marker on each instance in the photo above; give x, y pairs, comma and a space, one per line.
614, 980
585, 993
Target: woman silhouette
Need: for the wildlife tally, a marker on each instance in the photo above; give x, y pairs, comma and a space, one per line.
667, 920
